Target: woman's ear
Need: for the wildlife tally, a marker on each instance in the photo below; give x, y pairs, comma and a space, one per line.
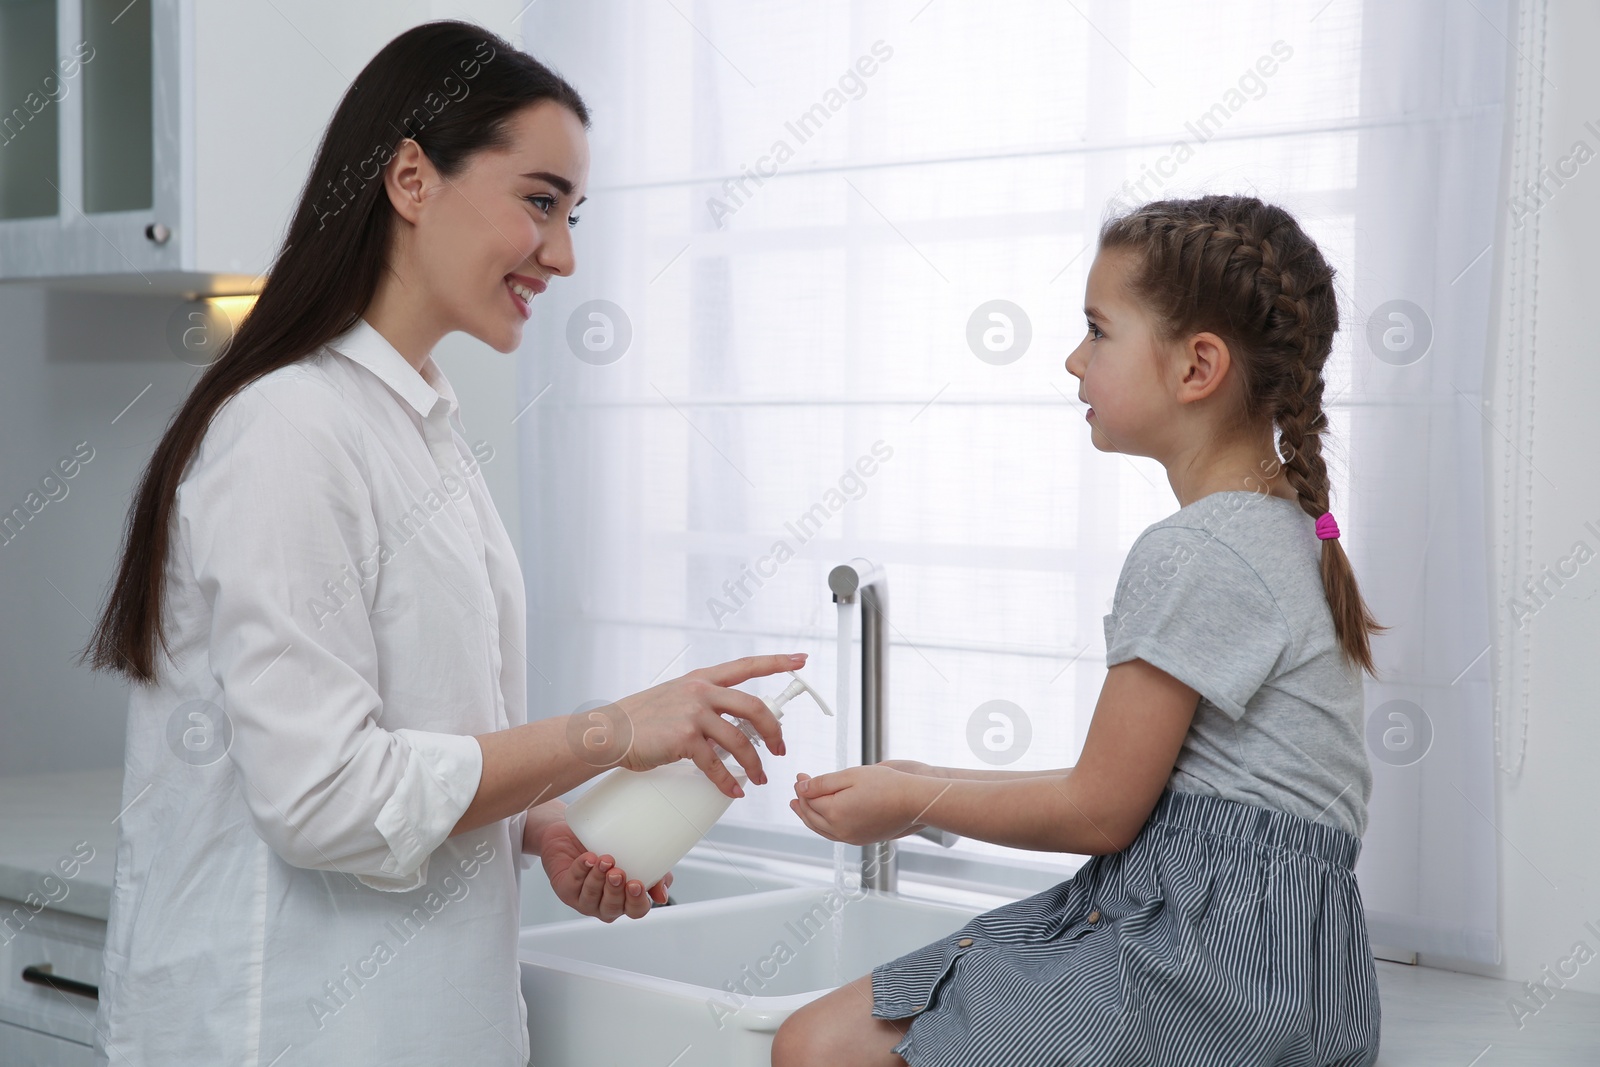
407, 178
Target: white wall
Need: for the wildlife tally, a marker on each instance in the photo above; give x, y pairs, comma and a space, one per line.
72, 363
1549, 835
53, 715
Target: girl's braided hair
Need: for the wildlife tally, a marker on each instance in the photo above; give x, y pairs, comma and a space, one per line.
1246, 271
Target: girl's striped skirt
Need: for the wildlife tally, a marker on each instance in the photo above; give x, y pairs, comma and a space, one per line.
1226, 935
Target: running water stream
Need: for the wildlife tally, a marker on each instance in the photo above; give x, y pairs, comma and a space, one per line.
841, 760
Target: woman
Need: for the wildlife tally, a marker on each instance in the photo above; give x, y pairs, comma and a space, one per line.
331, 784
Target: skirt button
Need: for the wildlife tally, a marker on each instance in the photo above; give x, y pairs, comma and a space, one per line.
1094, 916
965, 942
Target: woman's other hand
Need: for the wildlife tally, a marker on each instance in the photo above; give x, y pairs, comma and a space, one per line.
682, 719
591, 884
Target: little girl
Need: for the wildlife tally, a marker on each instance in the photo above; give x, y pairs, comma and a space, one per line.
1221, 793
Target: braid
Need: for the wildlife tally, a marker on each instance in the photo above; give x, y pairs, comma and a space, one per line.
1246, 271
1301, 422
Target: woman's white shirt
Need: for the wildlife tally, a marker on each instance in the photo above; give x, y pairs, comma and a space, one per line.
344, 610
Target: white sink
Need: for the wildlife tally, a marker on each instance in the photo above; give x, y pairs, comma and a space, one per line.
699, 876
709, 982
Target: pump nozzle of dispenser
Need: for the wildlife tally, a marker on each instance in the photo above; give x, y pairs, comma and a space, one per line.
775, 704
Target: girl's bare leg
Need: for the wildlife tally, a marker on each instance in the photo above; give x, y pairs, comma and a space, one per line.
839, 1030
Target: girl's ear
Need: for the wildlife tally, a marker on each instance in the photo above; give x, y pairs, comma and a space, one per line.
1203, 364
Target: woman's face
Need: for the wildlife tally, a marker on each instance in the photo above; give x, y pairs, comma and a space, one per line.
1118, 365
505, 219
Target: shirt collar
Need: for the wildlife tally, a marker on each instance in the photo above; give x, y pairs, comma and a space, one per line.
423, 390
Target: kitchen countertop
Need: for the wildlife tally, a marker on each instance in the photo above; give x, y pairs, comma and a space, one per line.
46, 819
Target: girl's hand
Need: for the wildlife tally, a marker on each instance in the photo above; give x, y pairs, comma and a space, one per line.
911, 766
594, 885
682, 719
861, 805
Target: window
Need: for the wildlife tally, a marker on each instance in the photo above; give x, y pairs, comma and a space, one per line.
801, 216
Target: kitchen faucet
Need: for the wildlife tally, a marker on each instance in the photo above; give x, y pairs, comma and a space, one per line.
864, 581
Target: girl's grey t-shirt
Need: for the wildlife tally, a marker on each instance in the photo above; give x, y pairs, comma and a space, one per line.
1226, 596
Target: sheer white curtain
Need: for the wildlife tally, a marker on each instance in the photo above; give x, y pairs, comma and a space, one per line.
780, 352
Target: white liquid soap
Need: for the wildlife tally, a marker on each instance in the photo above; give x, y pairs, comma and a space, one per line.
649, 820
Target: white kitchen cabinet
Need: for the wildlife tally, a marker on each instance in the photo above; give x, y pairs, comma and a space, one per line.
21, 1047
163, 147
40, 1025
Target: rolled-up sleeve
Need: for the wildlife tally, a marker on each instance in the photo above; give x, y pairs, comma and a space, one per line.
277, 517
519, 824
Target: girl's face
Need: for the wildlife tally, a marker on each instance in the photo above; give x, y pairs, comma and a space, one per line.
1119, 366
505, 219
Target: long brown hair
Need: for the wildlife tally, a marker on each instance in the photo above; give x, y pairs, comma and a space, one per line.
1246, 271
452, 87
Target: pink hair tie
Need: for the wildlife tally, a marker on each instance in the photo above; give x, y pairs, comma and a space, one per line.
1326, 527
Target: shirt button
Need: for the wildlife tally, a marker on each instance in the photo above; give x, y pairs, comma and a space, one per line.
1094, 916
965, 942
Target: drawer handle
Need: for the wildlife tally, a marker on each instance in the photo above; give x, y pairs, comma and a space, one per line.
40, 974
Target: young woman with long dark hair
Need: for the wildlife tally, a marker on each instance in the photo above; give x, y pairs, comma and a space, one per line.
331, 784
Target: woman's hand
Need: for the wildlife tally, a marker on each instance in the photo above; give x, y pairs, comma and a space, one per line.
861, 805
592, 884
682, 719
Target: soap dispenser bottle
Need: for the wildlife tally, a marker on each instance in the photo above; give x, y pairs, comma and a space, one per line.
649, 820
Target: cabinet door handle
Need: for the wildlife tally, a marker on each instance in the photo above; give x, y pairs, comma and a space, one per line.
40, 974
